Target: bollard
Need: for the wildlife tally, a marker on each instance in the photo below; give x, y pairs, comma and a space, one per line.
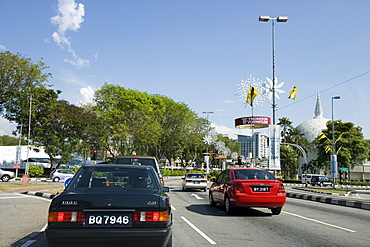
25, 179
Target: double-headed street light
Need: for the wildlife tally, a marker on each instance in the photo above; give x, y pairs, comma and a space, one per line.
334, 165
266, 18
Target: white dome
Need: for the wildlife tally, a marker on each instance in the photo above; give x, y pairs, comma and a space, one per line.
313, 127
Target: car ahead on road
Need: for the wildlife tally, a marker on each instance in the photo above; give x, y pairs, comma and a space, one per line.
194, 181
321, 181
140, 160
5, 176
247, 187
111, 205
61, 174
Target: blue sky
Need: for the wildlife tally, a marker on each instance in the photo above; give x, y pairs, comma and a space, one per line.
198, 51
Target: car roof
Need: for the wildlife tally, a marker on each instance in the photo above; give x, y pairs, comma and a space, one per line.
120, 166
135, 156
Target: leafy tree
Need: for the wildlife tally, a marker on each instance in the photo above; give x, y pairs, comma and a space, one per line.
10, 141
351, 147
289, 156
18, 76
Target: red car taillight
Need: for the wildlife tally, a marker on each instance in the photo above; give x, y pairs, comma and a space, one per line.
281, 189
239, 188
145, 216
66, 217
188, 181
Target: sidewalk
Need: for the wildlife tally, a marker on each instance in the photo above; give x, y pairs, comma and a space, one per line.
331, 198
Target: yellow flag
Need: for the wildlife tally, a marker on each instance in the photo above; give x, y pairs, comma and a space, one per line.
339, 138
252, 93
321, 136
293, 93
339, 150
327, 149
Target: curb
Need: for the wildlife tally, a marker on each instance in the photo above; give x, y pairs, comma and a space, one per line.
341, 202
32, 193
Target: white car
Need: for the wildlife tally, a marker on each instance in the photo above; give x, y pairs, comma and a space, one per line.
194, 181
5, 176
61, 174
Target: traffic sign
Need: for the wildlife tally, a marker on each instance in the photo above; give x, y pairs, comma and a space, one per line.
66, 182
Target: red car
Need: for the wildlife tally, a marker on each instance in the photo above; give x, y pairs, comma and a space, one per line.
247, 187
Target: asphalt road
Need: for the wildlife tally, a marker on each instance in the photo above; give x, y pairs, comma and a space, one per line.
301, 223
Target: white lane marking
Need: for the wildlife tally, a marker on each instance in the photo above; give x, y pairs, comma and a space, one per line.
173, 208
320, 222
196, 196
28, 243
198, 231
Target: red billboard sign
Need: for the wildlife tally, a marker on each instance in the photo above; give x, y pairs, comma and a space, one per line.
255, 122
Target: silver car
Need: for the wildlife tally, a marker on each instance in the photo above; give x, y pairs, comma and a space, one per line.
5, 176
61, 174
194, 181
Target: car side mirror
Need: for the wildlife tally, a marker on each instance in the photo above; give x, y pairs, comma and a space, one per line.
161, 171
166, 189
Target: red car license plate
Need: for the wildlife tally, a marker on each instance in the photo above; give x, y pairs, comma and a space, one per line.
261, 189
108, 220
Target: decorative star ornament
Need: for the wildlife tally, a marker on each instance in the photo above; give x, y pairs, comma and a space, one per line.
243, 90
267, 91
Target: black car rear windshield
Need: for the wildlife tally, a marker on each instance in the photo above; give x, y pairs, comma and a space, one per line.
115, 178
136, 161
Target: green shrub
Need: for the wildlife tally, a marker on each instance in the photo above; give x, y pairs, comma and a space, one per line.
35, 171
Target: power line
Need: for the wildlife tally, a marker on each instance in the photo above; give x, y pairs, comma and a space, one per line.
313, 95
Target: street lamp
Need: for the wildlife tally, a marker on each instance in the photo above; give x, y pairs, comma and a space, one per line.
334, 166
206, 158
266, 18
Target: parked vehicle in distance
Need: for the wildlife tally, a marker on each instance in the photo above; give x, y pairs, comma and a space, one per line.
111, 205
5, 176
247, 187
321, 181
194, 181
61, 174
140, 160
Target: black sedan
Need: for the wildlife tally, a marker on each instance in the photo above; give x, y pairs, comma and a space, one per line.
111, 205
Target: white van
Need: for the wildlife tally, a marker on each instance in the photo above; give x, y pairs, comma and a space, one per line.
306, 178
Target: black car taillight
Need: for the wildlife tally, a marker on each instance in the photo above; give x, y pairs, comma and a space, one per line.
66, 216
145, 216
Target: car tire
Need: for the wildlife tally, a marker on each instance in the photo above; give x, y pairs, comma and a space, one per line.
5, 178
212, 203
228, 206
169, 243
205, 189
276, 211
56, 179
183, 188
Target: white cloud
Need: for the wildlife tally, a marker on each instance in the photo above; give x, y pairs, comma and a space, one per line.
2, 48
70, 17
87, 95
6, 127
231, 132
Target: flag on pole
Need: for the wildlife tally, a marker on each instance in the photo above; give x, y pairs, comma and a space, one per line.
293, 93
327, 149
252, 93
339, 150
321, 136
339, 138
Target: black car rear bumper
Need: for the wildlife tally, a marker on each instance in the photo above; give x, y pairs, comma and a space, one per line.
109, 237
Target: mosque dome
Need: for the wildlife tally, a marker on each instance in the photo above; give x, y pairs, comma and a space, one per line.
313, 127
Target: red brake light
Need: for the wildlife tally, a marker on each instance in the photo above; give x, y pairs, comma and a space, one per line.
66, 216
144, 216
281, 188
239, 188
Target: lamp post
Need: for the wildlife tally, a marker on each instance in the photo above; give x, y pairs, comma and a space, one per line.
206, 158
266, 18
334, 165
